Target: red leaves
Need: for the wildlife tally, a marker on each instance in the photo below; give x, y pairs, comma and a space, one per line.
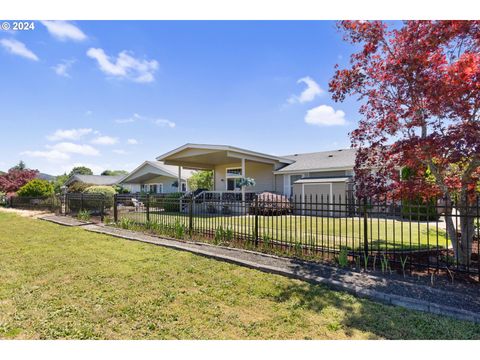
421, 86
15, 179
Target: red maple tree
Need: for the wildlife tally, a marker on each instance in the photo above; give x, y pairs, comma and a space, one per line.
14, 179
419, 85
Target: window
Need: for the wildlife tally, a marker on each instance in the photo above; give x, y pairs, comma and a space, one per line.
233, 177
151, 188
184, 187
232, 172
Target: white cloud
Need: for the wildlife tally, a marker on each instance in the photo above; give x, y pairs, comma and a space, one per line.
136, 117
50, 155
63, 30
71, 148
325, 115
131, 119
71, 134
132, 141
18, 48
105, 140
62, 68
164, 122
310, 93
125, 65
119, 151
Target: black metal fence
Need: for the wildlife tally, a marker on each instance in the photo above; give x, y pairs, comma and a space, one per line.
48, 203
66, 204
409, 235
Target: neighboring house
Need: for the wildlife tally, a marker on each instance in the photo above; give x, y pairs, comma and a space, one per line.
326, 173
156, 177
94, 179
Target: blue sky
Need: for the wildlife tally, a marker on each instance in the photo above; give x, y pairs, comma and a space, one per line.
111, 94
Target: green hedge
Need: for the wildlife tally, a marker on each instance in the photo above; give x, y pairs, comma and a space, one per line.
420, 210
36, 188
169, 202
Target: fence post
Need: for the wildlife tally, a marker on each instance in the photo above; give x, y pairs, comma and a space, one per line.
103, 208
256, 220
115, 209
190, 216
365, 227
148, 207
81, 201
11, 201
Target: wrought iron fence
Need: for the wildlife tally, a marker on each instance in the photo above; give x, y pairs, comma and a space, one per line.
48, 203
409, 235
66, 204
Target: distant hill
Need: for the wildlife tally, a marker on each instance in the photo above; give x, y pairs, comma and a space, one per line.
42, 176
46, 176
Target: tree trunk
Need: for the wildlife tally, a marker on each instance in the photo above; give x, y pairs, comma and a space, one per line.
461, 231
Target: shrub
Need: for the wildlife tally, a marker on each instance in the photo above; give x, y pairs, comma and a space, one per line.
107, 191
169, 202
36, 188
420, 210
271, 204
78, 187
84, 215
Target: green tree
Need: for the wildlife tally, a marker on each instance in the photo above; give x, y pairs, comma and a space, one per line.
59, 182
201, 180
20, 166
80, 170
36, 187
114, 172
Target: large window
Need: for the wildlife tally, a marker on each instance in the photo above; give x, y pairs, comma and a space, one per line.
152, 188
233, 177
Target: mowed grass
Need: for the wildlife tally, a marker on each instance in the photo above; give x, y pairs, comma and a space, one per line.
328, 232
59, 282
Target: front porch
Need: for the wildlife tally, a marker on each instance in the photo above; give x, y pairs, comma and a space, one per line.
230, 166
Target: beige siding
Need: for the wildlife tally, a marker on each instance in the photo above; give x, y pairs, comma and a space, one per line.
314, 204
262, 173
279, 184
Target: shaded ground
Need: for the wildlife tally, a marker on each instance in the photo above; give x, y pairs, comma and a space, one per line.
63, 282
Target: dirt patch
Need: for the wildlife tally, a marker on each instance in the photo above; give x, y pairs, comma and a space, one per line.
26, 213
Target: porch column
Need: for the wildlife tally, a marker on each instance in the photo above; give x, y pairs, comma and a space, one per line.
243, 176
179, 179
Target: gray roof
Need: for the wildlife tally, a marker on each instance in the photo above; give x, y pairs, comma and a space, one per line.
95, 179
321, 161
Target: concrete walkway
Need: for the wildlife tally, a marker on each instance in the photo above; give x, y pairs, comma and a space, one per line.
458, 302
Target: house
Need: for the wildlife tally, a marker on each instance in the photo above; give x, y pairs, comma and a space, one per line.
326, 173
156, 177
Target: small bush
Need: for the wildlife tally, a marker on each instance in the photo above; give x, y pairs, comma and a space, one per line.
179, 230
169, 202
78, 187
271, 204
36, 188
84, 215
342, 258
420, 210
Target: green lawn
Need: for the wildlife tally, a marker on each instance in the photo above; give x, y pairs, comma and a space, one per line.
61, 282
384, 234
